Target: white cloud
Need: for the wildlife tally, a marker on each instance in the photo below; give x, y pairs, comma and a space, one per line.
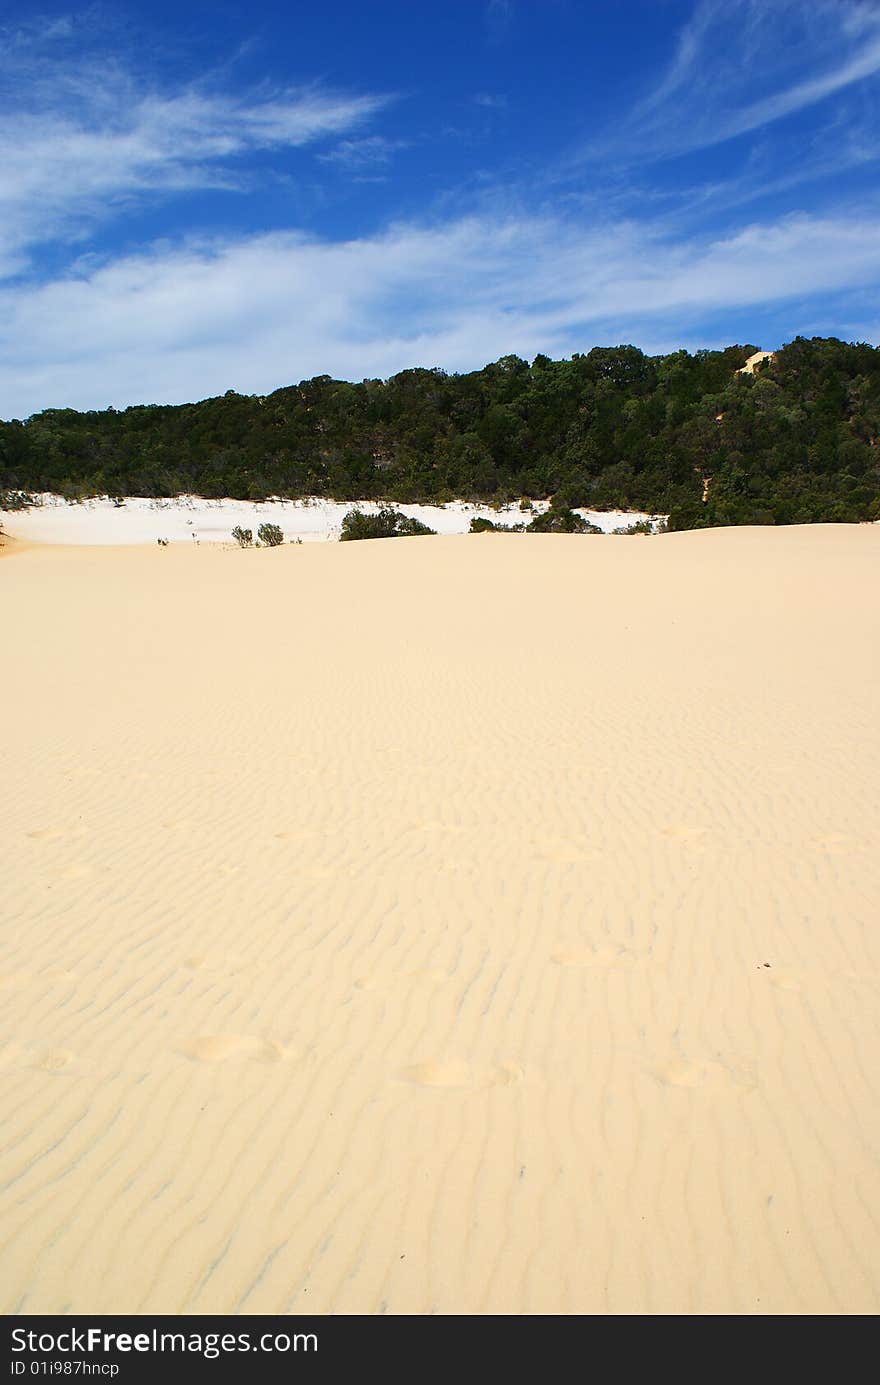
491, 101
83, 138
742, 65
364, 153
269, 310
37, 31
499, 18
195, 315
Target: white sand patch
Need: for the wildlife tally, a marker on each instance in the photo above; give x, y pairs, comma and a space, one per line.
193, 520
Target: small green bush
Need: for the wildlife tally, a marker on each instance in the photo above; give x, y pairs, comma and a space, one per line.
243, 537
559, 520
270, 535
387, 524
481, 525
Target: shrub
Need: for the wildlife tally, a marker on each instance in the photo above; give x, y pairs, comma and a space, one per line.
243, 537
481, 525
387, 524
640, 526
18, 500
559, 520
270, 535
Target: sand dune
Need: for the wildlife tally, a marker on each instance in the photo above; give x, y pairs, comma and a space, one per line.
465, 925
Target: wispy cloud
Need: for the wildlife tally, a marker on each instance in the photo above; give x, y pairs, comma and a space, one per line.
83, 136
742, 65
40, 29
506, 262
366, 153
499, 18
263, 311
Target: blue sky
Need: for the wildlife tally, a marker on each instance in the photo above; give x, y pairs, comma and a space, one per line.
198, 197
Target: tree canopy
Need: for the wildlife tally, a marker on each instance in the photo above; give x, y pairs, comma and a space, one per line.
685, 435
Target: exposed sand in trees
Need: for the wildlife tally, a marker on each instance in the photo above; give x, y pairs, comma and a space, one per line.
756, 360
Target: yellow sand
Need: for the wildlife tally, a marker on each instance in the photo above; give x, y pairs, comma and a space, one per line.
756, 360
485, 924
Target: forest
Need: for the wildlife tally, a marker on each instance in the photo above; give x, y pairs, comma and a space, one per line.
683, 434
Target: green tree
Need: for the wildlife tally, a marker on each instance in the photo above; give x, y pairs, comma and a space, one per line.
269, 534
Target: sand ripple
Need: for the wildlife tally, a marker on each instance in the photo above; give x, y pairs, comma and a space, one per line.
442, 927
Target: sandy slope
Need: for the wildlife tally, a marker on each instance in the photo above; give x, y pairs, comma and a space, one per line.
471, 924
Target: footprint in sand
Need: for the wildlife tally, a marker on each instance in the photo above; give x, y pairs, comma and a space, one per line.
77, 872
58, 974
784, 981
223, 1048
684, 834
835, 844
507, 1075
598, 955
226, 963
54, 1061
455, 1073
13, 980
682, 1073
562, 851
858, 978
56, 834
176, 824
685, 1072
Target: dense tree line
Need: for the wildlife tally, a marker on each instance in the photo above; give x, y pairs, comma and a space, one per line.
682, 434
